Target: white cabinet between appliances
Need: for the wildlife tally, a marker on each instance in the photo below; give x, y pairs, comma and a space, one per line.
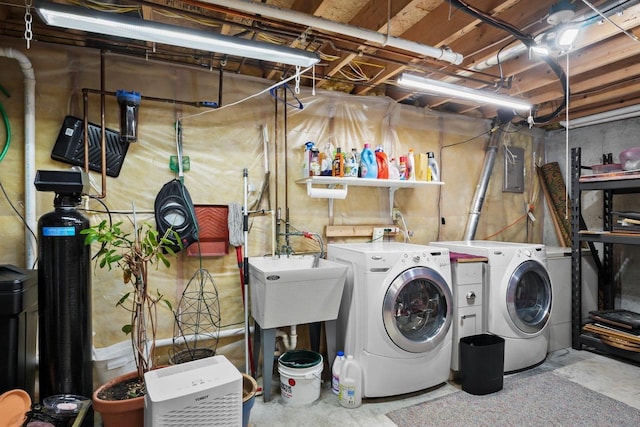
468, 293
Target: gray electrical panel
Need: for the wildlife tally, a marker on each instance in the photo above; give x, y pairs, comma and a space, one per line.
513, 170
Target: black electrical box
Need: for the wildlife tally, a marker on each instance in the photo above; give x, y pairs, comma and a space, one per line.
18, 324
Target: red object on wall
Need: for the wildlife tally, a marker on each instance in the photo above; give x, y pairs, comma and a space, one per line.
213, 231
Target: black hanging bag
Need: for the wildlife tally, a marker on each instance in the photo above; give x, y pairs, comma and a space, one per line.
174, 210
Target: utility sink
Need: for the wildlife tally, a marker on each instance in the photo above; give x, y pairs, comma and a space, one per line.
290, 291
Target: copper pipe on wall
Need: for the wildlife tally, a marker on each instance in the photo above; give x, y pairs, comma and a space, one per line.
103, 93
103, 130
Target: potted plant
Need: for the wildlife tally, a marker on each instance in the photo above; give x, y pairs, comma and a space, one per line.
134, 254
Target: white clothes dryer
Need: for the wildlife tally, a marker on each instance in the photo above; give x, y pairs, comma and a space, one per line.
517, 299
395, 315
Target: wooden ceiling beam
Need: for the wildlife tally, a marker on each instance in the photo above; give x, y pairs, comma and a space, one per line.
442, 22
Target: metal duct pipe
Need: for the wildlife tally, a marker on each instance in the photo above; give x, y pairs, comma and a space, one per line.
29, 152
481, 188
339, 28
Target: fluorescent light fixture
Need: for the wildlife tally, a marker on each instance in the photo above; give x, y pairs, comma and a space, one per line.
567, 36
605, 117
119, 25
448, 89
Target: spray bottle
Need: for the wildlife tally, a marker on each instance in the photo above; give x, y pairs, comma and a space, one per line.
306, 159
434, 171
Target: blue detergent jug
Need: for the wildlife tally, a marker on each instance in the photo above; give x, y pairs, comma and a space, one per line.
368, 163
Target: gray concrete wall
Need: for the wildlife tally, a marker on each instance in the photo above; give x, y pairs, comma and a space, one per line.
596, 141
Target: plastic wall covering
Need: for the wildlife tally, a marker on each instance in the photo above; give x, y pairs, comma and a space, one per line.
221, 143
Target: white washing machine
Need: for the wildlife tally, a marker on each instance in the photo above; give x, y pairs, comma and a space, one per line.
395, 315
517, 299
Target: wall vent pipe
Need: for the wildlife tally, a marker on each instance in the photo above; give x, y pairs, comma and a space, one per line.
483, 184
288, 15
29, 152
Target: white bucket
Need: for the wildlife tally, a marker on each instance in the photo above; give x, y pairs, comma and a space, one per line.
300, 376
113, 361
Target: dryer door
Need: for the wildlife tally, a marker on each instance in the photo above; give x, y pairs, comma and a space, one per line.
417, 309
529, 297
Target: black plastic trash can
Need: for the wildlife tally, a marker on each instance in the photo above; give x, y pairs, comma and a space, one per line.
18, 324
482, 363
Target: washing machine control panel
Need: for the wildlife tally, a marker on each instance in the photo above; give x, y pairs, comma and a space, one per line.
531, 253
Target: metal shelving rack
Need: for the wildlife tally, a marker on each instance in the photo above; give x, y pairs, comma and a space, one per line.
610, 185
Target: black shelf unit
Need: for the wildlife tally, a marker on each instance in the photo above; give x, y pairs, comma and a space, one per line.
610, 185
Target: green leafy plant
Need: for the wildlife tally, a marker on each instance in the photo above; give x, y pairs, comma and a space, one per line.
134, 254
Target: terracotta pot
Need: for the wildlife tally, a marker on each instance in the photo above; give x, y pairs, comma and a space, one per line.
118, 413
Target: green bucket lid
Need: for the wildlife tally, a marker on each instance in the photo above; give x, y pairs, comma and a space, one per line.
300, 359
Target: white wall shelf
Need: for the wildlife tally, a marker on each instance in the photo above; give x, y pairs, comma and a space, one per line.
337, 187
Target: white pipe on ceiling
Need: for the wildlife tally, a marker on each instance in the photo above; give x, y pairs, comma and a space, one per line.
604, 117
29, 151
339, 28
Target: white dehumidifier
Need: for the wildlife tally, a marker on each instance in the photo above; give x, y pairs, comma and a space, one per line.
204, 392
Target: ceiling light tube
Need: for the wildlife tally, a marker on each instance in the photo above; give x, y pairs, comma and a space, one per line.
448, 89
118, 25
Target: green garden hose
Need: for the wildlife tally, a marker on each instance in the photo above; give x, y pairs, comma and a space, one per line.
7, 126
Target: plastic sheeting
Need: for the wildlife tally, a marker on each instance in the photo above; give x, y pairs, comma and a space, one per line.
221, 143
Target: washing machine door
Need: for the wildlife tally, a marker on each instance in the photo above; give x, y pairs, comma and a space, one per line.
417, 309
529, 297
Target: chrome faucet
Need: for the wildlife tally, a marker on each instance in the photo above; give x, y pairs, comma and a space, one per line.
288, 250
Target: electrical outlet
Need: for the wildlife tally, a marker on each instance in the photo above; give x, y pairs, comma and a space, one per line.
378, 234
396, 215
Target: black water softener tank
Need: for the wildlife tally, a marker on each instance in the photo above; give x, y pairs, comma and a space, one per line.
64, 290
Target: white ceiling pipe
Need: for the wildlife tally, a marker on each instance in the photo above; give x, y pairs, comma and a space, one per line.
339, 28
29, 152
604, 117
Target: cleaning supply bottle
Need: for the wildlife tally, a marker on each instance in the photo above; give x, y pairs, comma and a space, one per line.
402, 168
326, 160
314, 163
306, 159
411, 166
352, 163
368, 163
394, 169
335, 371
434, 171
422, 167
338, 164
350, 385
382, 162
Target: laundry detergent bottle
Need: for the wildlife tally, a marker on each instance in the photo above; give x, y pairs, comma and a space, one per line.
350, 386
368, 163
383, 163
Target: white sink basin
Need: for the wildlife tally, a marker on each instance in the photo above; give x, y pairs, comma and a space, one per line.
289, 291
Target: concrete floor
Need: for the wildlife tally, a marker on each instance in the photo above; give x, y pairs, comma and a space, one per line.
613, 378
